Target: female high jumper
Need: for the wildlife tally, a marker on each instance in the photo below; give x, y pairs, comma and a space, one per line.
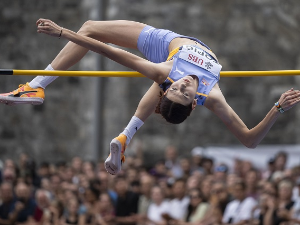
185, 73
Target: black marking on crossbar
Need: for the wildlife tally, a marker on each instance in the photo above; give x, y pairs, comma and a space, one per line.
6, 72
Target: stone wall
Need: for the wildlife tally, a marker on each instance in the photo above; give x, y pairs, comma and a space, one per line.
245, 35
64, 125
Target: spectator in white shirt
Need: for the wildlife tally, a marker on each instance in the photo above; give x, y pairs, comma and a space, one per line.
239, 210
179, 203
158, 207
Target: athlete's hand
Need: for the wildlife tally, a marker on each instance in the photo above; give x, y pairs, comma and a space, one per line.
48, 27
289, 99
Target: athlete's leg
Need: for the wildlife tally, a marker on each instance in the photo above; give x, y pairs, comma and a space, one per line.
121, 32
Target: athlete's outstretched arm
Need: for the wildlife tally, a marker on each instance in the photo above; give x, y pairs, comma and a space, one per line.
148, 103
145, 108
249, 137
153, 71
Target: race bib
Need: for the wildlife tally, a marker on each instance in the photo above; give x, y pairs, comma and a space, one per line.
200, 58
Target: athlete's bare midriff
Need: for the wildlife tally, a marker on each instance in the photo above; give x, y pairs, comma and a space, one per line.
178, 42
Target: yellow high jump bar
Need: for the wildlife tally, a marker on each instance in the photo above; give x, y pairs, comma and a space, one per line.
136, 74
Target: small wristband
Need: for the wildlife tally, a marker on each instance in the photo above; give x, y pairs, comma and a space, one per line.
278, 106
60, 33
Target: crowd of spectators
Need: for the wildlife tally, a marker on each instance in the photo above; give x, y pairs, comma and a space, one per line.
175, 190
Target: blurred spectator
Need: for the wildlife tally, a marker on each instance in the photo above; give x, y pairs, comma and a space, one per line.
88, 169
251, 181
43, 201
246, 167
179, 203
105, 210
83, 185
159, 170
61, 169
280, 161
88, 208
24, 209
270, 188
285, 202
96, 185
186, 168
76, 165
220, 196
172, 162
135, 186
44, 170
55, 182
106, 185
23, 164
221, 173
127, 202
158, 207
197, 208
9, 175
46, 185
145, 194
68, 175
132, 176
193, 182
71, 216
8, 163
270, 170
166, 188
42, 173
237, 167
239, 211
232, 178
218, 201
279, 210
207, 165
7, 203
54, 214
205, 187
196, 164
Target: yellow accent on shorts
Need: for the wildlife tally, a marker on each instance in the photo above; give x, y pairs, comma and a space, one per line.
172, 53
170, 79
201, 94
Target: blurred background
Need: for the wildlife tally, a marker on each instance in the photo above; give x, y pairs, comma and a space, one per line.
65, 140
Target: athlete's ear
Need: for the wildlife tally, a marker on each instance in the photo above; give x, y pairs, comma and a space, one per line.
194, 104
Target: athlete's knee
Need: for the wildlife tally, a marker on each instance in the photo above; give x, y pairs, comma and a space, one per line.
87, 29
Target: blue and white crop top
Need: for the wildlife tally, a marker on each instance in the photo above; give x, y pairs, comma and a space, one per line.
192, 60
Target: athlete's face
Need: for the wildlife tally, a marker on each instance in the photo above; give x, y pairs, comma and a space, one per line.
184, 90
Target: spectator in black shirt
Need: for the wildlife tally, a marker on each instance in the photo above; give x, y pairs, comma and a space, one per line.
127, 203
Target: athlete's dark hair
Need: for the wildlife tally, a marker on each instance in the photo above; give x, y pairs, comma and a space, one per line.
173, 112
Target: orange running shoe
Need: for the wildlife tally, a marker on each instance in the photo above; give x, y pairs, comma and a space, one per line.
116, 157
23, 95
